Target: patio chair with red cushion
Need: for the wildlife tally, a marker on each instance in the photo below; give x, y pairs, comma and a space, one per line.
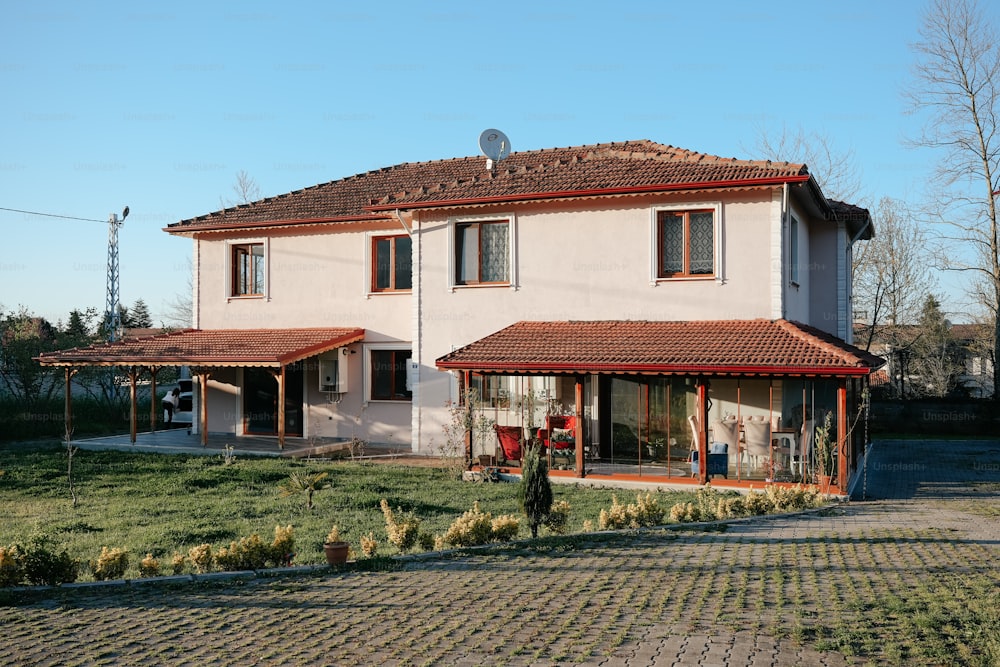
510, 439
559, 432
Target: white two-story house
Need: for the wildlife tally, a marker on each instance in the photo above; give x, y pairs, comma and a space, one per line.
655, 295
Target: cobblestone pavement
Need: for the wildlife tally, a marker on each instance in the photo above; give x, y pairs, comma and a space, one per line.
800, 590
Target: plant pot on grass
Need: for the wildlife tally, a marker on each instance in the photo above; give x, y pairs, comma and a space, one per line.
334, 548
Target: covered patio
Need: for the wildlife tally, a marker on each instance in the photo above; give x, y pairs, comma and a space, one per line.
278, 353
732, 402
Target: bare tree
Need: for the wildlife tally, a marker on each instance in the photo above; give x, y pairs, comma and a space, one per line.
891, 272
179, 310
835, 170
245, 188
956, 83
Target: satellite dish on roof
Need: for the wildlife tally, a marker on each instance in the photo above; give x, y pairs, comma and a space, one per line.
495, 146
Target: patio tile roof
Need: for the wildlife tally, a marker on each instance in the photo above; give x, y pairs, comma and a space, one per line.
210, 347
730, 347
609, 168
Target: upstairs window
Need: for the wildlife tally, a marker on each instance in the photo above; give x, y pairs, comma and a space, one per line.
482, 253
247, 263
392, 263
685, 243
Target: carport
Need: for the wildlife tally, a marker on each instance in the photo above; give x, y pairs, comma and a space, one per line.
202, 350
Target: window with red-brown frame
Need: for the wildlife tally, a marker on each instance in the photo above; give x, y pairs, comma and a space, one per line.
685, 242
392, 264
482, 252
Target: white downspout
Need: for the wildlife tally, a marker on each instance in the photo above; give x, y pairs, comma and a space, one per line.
416, 329
782, 247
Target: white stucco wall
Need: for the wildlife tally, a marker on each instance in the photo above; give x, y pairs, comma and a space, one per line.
319, 279
587, 260
573, 263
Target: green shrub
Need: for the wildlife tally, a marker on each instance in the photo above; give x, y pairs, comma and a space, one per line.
558, 519
110, 564
534, 493
426, 540
43, 566
252, 553
247, 553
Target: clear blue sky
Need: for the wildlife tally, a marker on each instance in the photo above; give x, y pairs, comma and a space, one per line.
158, 106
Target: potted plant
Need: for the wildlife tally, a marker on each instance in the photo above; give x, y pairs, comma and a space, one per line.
334, 548
825, 451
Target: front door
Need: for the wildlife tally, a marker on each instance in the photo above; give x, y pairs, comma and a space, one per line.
260, 401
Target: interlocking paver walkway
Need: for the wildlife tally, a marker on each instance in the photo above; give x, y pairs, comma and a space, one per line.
772, 591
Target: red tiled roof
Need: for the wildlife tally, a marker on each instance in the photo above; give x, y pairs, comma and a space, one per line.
731, 347
611, 168
208, 347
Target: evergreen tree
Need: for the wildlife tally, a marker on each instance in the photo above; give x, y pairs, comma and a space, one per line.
535, 491
138, 316
77, 326
935, 358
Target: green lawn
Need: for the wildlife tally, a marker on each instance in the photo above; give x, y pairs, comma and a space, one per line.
164, 504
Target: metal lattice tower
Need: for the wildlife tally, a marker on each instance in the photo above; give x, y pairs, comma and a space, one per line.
112, 317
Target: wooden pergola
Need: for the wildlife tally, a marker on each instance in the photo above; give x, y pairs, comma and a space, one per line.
202, 350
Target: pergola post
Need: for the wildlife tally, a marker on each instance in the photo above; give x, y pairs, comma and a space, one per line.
153, 370
842, 419
280, 377
203, 406
578, 412
68, 408
133, 410
702, 402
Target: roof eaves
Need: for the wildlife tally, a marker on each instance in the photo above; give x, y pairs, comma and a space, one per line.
184, 228
569, 194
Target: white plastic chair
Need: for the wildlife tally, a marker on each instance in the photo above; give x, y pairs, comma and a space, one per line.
758, 435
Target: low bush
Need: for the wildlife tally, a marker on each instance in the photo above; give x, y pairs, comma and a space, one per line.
557, 521
711, 504
149, 566
644, 513
45, 566
201, 558
110, 564
11, 565
252, 553
476, 527
402, 530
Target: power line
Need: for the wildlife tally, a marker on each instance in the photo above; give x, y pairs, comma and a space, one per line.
50, 215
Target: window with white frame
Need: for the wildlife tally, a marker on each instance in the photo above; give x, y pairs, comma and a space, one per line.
685, 242
247, 266
482, 252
